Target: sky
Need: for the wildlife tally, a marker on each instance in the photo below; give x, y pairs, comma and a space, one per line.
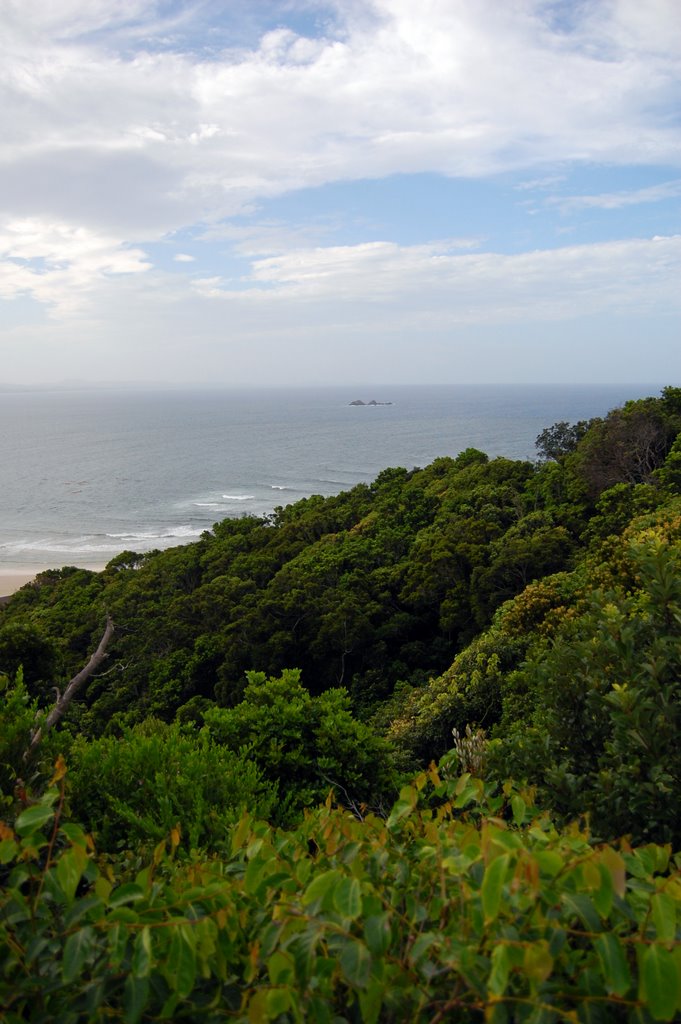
309, 192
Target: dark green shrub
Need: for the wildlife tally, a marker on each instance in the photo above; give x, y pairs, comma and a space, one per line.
135, 789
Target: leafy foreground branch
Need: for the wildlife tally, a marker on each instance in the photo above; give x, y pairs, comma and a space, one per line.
460, 906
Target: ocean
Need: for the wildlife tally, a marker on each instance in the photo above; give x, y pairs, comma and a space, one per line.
87, 474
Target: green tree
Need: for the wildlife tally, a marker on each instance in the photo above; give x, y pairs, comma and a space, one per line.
309, 745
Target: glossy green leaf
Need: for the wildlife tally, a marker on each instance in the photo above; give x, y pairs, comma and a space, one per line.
280, 968
347, 898
321, 886
355, 962
660, 983
128, 893
663, 908
370, 1001
603, 896
501, 968
33, 818
278, 1001
377, 933
582, 907
492, 886
135, 996
401, 810
77, 948
118, 941
181, 963
518, 807
538, 961
141, 955
8, 850
70, 868
613, 960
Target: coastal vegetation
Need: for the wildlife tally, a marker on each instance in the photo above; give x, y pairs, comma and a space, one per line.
407, 753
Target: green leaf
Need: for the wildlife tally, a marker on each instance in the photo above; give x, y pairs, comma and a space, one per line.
141, 954
181, 963
135, 995
33, 818
347, 898
660, 983
603, 896
371, 1000
8, 850
664, 916
580, 905
377, 933
538, 961
77, 948
616, 974
492, 885
321, 886
278, 1001
118, 941
421, 946
401, 810
129, 893
355, 962
280, 968
501, 968
550, 862
70, 870
518, 806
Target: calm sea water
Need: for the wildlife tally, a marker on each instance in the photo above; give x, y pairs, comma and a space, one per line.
85, 475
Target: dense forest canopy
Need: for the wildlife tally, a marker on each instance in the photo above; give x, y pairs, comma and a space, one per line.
505, 620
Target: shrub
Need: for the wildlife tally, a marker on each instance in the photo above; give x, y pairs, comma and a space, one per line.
135, 789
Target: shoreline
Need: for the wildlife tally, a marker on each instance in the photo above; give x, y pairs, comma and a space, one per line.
17, 577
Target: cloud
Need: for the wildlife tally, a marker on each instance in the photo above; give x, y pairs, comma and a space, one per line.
184, 257
128, 123
461, 89
438, 284
58, 264
618, 200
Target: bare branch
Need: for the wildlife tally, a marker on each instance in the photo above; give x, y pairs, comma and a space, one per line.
71, 690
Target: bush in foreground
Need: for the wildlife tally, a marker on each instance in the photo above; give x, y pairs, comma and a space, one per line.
444, 911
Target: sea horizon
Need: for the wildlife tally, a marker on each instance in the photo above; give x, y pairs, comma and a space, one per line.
88, 473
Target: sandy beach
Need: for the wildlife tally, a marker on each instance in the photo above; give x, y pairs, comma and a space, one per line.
15, 578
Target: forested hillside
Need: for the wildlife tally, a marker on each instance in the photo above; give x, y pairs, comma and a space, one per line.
516, 624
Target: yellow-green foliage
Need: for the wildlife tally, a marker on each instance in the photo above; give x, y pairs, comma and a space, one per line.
458, 907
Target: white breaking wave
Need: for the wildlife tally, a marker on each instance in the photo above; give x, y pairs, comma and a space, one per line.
239, 497
166, 534
95, 544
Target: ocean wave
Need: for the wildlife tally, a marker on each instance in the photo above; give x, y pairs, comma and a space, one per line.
166, 534
99, 543
76, 545
281, 487
239, 497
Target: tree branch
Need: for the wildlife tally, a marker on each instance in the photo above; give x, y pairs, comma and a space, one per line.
71, 690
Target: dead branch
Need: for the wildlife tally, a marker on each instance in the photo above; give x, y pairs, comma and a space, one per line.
71, 690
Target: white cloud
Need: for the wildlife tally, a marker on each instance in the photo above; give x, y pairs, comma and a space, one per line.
184, 257
58, 264
618, 200
119, 129
150, 141
438, 284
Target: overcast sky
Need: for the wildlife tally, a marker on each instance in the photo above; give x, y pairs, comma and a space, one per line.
309, 192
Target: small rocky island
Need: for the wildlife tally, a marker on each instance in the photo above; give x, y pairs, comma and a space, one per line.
358, 401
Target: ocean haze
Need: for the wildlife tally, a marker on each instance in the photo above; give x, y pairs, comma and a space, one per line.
87, 474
